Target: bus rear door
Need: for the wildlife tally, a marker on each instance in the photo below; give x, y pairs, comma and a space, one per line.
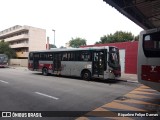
57, 62
36, 58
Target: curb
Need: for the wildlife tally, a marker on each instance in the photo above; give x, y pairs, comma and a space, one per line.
132, 81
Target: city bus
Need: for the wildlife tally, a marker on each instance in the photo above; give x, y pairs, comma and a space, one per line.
3, 60
149, 58
87, 63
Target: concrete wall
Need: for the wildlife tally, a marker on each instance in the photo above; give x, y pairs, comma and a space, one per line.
37, 39
19, 62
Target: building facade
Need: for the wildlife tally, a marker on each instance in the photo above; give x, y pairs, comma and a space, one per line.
24, 39
128, 55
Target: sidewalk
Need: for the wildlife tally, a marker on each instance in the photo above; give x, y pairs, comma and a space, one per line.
18, 67
128, 77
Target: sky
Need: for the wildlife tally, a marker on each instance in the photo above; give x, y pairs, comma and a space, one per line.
88, 19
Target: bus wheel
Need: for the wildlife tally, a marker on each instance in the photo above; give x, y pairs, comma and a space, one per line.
45, 71
86, 75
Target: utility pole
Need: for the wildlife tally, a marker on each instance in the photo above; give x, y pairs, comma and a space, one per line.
54, 35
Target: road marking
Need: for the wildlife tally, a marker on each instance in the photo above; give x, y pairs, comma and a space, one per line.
47, 95
3, 81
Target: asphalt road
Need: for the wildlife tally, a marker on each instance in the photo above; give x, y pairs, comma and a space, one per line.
23, 90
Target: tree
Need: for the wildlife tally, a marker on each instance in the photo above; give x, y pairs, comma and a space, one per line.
5, 49
118, 36
77, 42
136, 38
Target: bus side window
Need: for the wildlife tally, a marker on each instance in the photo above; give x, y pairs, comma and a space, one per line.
72, 56
36, 56
68, 56
50, 56
41, 56
78, 56
148, 43
86, 56
64, 56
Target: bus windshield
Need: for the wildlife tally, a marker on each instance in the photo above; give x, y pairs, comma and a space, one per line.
3, 60
113, 58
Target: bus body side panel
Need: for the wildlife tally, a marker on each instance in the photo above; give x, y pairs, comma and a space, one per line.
74, 68
42, 64
147, 67
30, 65
141, 57
108, 74
46, 64
150, 76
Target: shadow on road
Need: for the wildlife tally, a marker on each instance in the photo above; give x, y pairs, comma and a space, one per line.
108, 81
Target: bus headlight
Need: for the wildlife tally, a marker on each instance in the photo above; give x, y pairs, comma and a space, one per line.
110, 71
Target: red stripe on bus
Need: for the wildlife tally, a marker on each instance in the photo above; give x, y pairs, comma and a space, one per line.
41, 66
48, 66
150, 73
30, 66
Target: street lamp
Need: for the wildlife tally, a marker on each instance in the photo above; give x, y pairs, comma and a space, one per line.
54, 35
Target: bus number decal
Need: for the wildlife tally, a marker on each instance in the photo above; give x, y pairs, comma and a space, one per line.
88, 66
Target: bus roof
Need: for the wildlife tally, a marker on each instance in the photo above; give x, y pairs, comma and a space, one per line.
74, 49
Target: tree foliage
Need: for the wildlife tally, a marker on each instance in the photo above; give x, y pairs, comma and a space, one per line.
136, 38
5, 49
77, 42
118, 36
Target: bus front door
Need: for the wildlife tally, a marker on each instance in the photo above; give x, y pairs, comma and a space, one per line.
98, 64
36, 61
57, 62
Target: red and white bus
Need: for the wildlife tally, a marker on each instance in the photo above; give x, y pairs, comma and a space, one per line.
95, 62
149, 58
3, 60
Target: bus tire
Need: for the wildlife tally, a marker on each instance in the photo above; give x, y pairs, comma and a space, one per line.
86, 75
45, 71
